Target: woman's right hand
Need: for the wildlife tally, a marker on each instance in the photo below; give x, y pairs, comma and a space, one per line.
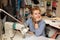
31, 33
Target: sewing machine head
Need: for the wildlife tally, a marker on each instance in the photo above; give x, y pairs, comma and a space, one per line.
23, 28
11, 25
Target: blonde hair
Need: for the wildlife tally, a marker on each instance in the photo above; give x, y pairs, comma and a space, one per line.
35, 8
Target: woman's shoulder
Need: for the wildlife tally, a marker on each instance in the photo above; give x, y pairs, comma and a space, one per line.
29, 20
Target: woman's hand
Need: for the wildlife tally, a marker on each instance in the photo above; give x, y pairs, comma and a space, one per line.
58, 32
51, 39
21, 20
31, 33
36, 25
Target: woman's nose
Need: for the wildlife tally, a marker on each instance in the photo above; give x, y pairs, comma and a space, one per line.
38, 14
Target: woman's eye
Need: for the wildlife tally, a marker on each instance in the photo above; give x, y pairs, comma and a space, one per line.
39, 13
35, 13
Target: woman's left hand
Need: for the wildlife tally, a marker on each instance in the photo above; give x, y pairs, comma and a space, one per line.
36, 25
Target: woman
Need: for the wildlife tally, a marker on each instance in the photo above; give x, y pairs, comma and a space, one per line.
35, 23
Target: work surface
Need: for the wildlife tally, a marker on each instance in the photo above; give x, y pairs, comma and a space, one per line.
55, 22
30, 37
19, 36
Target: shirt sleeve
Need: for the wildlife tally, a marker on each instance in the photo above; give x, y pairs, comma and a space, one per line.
27, 22
40, 30
30, 25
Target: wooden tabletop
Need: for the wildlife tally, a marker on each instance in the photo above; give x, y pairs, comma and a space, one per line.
54, 22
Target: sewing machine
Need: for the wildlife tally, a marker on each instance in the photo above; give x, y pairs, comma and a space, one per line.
10, 26
19, 26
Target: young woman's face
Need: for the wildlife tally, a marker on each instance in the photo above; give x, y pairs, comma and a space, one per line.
36, 15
